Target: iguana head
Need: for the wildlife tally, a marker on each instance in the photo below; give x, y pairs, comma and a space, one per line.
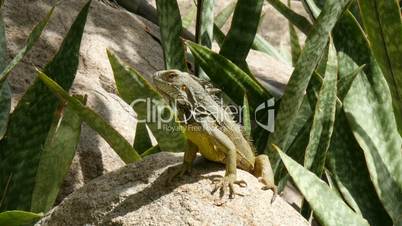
177, 85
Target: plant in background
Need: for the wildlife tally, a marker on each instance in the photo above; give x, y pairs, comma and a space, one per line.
38, 139
336, 133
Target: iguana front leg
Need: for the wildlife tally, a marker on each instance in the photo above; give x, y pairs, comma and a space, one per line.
229, 148
189, 155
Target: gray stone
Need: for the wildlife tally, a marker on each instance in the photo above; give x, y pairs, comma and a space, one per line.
107, 27
137, 194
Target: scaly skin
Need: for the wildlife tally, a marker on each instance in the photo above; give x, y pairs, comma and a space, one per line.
211, 131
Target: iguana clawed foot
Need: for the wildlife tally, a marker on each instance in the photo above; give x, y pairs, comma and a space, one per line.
228, 181
268, 186
179, 171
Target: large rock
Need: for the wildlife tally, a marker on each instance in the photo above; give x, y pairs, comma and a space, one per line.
107, 27
138, 195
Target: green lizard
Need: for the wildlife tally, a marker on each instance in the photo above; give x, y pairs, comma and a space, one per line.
211, 131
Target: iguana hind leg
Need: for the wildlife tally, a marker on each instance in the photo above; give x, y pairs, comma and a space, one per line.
189, 155
263, 171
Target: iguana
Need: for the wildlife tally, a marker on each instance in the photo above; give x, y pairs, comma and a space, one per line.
211, 131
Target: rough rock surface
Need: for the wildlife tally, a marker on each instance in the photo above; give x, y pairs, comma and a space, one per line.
107, 27
138, 195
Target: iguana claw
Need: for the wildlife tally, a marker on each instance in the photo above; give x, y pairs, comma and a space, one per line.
225, 182
179, 172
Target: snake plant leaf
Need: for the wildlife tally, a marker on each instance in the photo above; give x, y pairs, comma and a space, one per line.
5, 107
5, 91
120, 145
322, 97
262, 45
346, 162
188, 19
32, 38
259, 44
222, 17
383, 24
220, 20
57, 155
302, 23
242, 32
219, 36
204, 29
324, 117
18, 218
171, 28
152, 150
142, 141
368, 107
295, 47
246, 117
31, 120
346, 82
205, 23
228, 77
136, 91
321, 197
296, 151
313, 10
292, 99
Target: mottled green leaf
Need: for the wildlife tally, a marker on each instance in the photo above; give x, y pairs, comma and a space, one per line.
259, 44
383, 24
5, 91
312, 9
18, 218
204, 29
292, 99
242, 32
220, 20
368, 108
348, 167
142, 141
5, 107
188, 19
171, 28
299, 21
137, 92
324, 117
328, 207
295, 47
346, 82
223, 16
152, 150
262, 45
227, 76
33, 37
57, 155
31, 120
246, 117
96, 122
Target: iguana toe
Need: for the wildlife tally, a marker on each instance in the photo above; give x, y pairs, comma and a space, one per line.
178, 171
228, 181
269, 186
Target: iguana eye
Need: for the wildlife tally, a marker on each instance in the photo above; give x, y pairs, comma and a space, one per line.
183, 87
171, 75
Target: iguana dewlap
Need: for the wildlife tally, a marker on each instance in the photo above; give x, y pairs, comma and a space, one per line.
211, 130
